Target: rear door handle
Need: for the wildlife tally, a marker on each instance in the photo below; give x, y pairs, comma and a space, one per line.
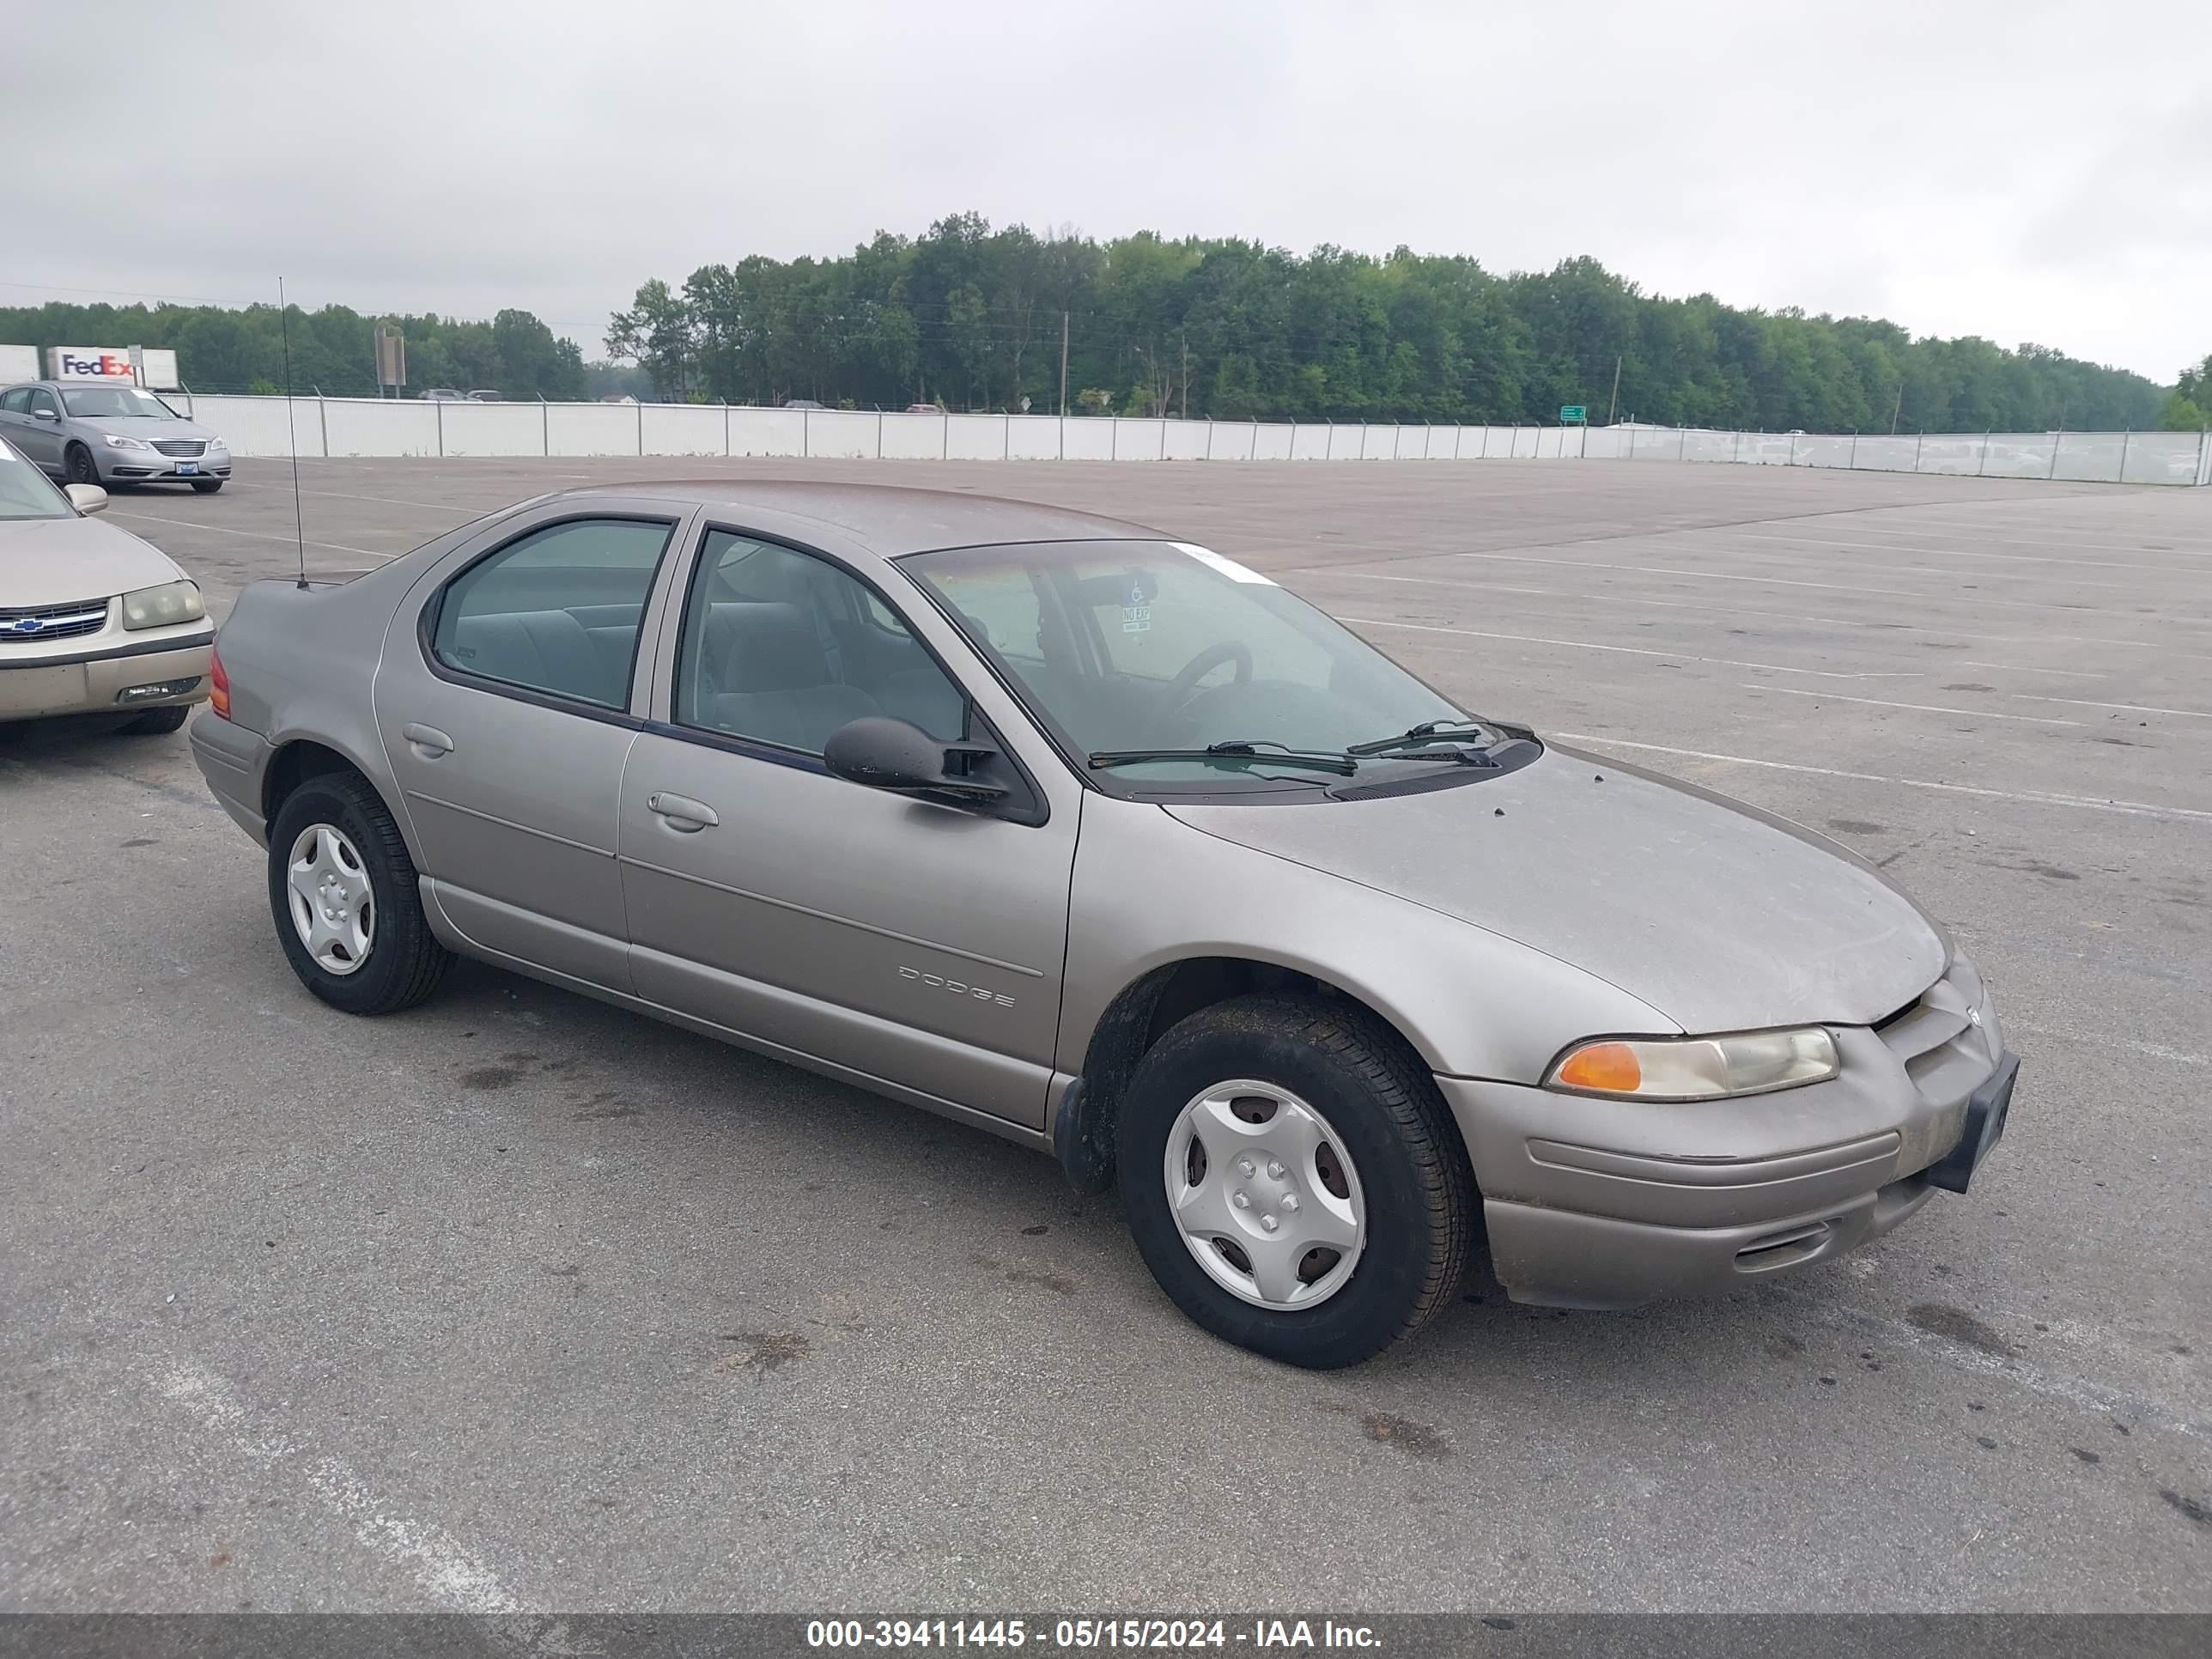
681, 812
429, 742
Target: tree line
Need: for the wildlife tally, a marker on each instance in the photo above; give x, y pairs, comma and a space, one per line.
223, 349
972, 317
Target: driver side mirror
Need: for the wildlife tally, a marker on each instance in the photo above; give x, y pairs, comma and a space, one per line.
87, 498
45, 415
884, 753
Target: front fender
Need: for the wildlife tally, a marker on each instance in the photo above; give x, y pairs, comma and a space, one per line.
1150, 890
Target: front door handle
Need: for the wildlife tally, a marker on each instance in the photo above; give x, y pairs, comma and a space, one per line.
429, 742
681, 812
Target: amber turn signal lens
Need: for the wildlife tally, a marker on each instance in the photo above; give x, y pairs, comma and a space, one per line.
1611, 1067
218, 687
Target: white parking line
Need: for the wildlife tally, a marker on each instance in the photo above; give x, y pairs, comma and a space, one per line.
2076, 1391
2131, 708
448, 1573
1951, 552
2131, 808
343, 495
255, 535
1712, 607
1834, 588
2148, 1050
2032, 668
1671, 656
1922, 708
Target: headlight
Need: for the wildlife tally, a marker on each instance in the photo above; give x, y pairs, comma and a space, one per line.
1696, 1068
214, 444
117, 442
158, 607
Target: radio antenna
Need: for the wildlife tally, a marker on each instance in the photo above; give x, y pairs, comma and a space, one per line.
291, 433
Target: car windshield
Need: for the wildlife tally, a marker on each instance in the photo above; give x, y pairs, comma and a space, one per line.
25, 493
96, 401
1130, 647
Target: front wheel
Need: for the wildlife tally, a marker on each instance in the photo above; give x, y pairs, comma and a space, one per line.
206, 486
77, 462
341, 889
1293, 1179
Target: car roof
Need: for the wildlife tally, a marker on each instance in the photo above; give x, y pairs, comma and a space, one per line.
889, 520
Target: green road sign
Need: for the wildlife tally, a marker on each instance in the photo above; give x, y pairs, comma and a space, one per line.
1571, 412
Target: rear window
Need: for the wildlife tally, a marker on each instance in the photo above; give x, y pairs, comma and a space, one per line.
556, 611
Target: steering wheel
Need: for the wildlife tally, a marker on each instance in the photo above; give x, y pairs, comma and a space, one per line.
1184, 687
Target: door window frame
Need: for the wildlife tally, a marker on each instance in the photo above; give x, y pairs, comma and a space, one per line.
976, 725
427, 616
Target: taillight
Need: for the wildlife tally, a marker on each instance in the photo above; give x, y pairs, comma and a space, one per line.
218, 685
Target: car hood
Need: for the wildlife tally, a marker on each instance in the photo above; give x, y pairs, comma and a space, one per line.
55, 561
145, 427
1721, 916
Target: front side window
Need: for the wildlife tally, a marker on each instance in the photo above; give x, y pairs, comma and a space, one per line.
44, 400
1144, 646
556, 611
781, 648
25, 494
97, 401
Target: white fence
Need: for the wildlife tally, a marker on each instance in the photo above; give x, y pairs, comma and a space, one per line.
337, 427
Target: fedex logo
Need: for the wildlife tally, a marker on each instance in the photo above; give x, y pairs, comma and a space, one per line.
89, 363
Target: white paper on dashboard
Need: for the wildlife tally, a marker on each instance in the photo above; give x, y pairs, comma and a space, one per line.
1229, 568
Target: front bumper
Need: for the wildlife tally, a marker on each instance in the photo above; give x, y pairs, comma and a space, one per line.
1595, 1203
115, 674
151, 467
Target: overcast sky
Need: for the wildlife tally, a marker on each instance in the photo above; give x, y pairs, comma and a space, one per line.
2018, 170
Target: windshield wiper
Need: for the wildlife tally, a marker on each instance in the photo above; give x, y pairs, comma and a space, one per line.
1246, 751
1439, 731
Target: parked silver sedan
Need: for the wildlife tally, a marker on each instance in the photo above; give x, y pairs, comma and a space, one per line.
93, 621
90, 434
1099, 841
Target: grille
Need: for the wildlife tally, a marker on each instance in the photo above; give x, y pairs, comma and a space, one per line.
183, 448
1933, 1036
52, 622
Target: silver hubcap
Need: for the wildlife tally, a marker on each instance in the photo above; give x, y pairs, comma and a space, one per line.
1264, 1195
333, 910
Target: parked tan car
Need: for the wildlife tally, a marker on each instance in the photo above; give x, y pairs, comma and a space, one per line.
1101, 841
92, 619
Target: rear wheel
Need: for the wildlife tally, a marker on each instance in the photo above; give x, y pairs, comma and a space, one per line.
156, 722
77, 462
1293, 1179
341, 889
206, 486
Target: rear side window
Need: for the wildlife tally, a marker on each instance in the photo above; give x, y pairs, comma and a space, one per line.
17, 402
556, 611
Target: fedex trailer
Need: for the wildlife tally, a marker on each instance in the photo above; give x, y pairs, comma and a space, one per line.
152, 366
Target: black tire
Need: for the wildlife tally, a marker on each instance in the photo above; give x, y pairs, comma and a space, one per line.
159, 722
77, 462
1411, 1164
405, 963
206, 486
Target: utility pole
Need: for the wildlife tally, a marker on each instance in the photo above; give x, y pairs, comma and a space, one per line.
1614, 405
1185, 377
1897, 409
1063, 365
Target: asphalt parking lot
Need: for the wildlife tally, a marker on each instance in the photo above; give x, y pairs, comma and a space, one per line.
518, 1302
